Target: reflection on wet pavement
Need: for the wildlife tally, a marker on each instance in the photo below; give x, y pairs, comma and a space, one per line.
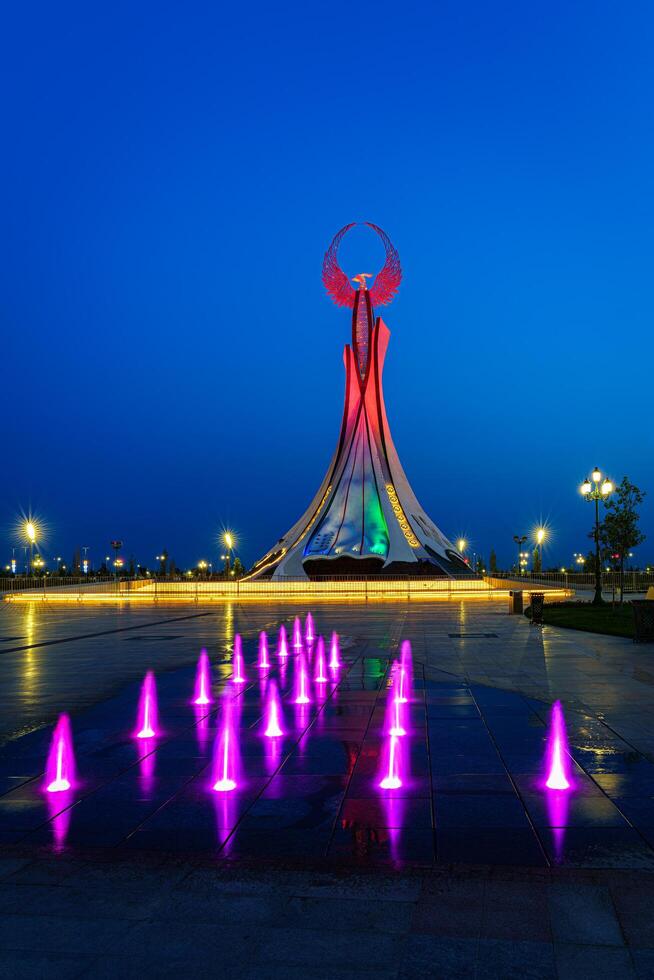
467, 786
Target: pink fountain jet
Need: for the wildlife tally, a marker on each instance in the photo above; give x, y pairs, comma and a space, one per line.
309, 635
557, 757
60, 767
147, 718
225, 759
395, 709
238, 676
202, 691
301, 681
405, 673
320, 675
392, 779
263, 662
282, 644
274, 717
297, 635
334, 654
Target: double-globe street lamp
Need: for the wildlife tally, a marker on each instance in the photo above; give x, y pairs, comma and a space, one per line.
597, 489
520, 540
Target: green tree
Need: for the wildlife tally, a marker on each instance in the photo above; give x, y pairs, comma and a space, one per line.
536, 563
619, 531
238, 568
492, 561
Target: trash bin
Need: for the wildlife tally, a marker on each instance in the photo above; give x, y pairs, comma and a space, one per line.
644, 620
537, 605
515, 601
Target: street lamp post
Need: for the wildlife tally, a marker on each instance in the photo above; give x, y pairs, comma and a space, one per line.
228, 538
116, 545
519, 540
541, 534
598, 489
30, 534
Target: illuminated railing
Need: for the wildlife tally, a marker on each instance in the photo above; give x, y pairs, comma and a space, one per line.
18, 583
345, 589
634, 580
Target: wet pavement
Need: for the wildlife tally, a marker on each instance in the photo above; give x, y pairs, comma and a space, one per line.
471, 868
472, 768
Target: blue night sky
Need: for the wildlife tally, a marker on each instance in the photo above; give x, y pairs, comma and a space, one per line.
171, 177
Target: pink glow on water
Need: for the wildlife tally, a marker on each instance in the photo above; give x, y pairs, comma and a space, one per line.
557, 762
147, 720
237, 661
273, 748
202, 732
59, 806
334, 653
147, 765
225, 759
297, 634
301, 681
264, 661
226, 813
202, 693
273, 713
309, 635
282, 643
394, 815
321, 668
60, 767
558, 806
392, 779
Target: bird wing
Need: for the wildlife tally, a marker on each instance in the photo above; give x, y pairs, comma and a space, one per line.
335, 281
388, 279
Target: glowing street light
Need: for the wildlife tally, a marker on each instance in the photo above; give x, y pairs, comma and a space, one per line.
30, 530
599, 489
229, 541
541, 534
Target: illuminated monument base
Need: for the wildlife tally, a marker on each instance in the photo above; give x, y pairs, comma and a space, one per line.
364, 519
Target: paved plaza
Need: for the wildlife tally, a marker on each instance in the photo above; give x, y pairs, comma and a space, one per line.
308, 868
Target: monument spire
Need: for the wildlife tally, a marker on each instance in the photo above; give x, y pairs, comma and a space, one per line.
364, 518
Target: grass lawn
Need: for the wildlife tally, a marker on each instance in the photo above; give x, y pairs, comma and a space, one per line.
614, 621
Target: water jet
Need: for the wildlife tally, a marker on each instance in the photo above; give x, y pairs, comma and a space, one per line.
147, 718
60, 767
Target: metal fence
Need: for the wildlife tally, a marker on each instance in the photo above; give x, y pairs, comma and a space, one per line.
634, 581
343, 589
40, 582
